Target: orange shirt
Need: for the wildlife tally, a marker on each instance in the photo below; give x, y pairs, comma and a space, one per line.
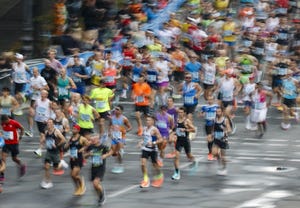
141, 92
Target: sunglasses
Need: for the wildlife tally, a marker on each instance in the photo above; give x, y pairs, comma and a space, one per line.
188, 77
117, 109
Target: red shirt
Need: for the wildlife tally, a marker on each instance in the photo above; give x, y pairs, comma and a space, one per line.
10, 131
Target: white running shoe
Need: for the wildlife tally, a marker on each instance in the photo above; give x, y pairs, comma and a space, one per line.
176, 176
46, 185
222, 172
64, 164
38, 152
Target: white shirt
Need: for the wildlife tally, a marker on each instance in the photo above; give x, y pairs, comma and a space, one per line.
38, 82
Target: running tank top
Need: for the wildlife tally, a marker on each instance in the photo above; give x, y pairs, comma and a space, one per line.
50, 140
75, 146
181, 132
227, 88
219, 127
118, 131
6, 104
42, 111
148, 138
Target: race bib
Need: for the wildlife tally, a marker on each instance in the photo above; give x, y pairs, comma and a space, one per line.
85, 117
218, 134
161, 124
97, 160
63, 91
117, 134
8, 135
5, 111
140, 99
189, 99
50, 143
180, 133
73, 152
100, 104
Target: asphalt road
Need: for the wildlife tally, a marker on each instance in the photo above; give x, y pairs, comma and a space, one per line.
262, 173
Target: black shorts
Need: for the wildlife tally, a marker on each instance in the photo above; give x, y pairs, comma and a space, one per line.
76, 162
19, 87
209, 129
178, 76
225, 104
190, 108
104, 115
11, 148
207, 86
183, 143
221, 143
154, 86
98, 172
142, 109
41, 127
84, 131
151, 154
290, 103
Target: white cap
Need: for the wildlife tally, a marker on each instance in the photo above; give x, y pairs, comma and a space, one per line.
19, 56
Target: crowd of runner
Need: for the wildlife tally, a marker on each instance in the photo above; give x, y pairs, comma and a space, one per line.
208, 57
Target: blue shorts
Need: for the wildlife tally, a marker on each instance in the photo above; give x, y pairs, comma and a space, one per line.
247, 103
230, 43
117, 141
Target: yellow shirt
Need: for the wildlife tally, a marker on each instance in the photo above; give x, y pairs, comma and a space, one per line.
228, 29
102, 97
85, 116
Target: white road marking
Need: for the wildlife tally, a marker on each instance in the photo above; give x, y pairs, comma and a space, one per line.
266, 200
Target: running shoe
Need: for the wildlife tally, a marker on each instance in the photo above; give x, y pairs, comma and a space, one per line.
276, 104
210, 157
29, 133
222, 172
145, 184
280, 108
46, 185
82, 188
176, 176
119, 169
297, 117
285, 126
102, 198
158, 181
38, 152
58, 172
22, 170
64, 164
18, 112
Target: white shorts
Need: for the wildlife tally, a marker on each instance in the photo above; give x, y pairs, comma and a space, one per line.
258, 115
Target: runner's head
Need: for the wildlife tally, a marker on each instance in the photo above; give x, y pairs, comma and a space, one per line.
4, 118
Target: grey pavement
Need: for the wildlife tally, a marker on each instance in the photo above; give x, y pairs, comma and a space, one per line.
262, 173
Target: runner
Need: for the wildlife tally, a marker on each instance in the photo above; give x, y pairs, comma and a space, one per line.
77, 145
165, 124
87, 114
12, 134
289, 94
247, 92
209, 111
183, 128
173, 112
37, 84
41, 112
260, 107
151, 138
54, 141
221, 131
118, 127
141, 93
191, 92
98, 153
8, 103
103, 97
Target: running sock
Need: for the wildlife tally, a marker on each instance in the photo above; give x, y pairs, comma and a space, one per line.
209, 145
146, 178
176, 170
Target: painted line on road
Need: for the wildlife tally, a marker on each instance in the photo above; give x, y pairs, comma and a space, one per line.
129, 188
266, 200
